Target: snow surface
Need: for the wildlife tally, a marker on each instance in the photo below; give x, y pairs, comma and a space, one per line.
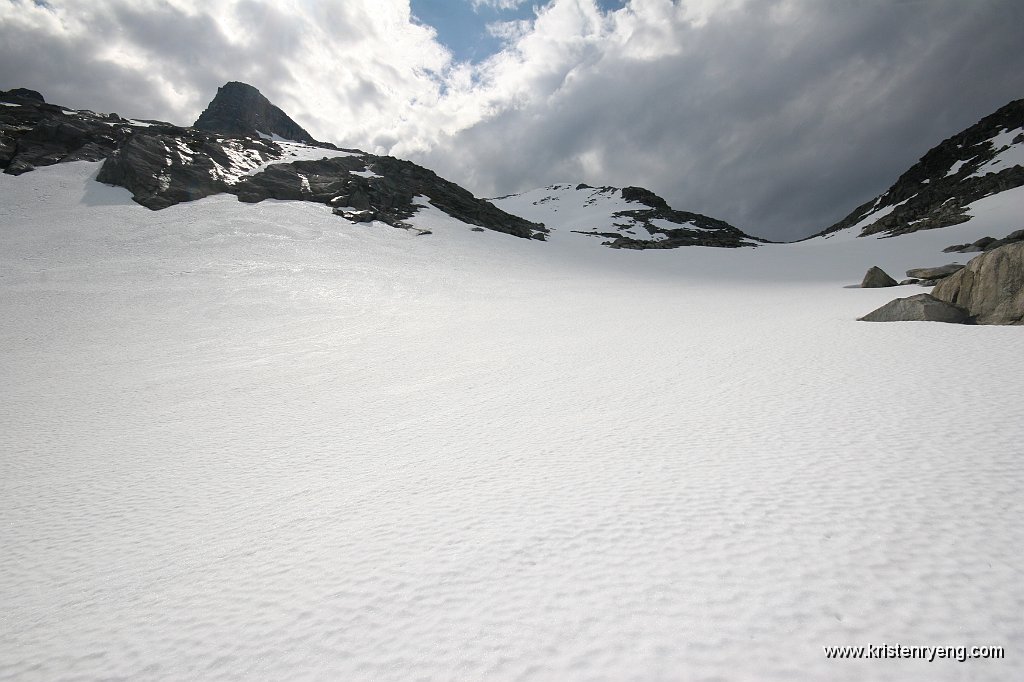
955, 168
298, 151
275, 137
871, 218
260, 442
1008, 155
566, 210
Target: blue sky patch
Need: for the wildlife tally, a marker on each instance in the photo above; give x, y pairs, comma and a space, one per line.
463, 29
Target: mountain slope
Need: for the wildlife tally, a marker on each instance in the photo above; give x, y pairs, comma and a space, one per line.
982, 160
626, 218
241, 145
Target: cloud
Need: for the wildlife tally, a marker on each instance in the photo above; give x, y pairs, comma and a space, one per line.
498, 4
347, 71
779, 116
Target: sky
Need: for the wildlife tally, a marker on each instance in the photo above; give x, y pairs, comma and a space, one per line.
778, 116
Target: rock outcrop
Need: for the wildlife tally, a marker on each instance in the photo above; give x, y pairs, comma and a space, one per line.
34, 133
986, 243
919, 308
164, 166
877, 278
239, 109
934, 273
990, 288
386, 188
935, 192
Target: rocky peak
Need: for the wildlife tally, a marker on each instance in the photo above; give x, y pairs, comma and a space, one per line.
242, 110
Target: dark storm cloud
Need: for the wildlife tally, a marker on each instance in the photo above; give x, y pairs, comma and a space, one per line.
780, 124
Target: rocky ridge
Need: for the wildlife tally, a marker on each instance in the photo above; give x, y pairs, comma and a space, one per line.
982, 160
162, 164
639, 218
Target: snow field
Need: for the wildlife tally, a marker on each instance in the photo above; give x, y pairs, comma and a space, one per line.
260, 442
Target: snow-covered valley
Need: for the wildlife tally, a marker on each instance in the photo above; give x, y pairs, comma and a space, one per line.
257, 441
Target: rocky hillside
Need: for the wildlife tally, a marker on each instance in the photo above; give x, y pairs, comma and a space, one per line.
622, 218
241, 146
985, 159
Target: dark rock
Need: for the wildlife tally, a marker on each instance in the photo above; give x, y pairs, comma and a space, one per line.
38, 134
996, 243
991, 287
986, 243
477, 229
166, 168
15, 94
928, 282
239, 109
19, 166
934, 273
919, 308
876, 278
644, 196
909, 281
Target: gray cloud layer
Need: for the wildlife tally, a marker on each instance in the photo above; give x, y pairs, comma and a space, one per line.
779, 116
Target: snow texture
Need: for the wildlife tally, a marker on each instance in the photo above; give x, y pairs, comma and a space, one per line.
261, 442
1008, 154
870, 218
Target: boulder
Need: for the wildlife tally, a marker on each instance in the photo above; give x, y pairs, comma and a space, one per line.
919, 308
876, 278
934, 273
990, 288
909, 281
996, 243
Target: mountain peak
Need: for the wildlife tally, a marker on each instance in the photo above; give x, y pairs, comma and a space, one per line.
240, 109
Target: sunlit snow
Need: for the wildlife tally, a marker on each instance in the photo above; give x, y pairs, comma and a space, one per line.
257, 441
